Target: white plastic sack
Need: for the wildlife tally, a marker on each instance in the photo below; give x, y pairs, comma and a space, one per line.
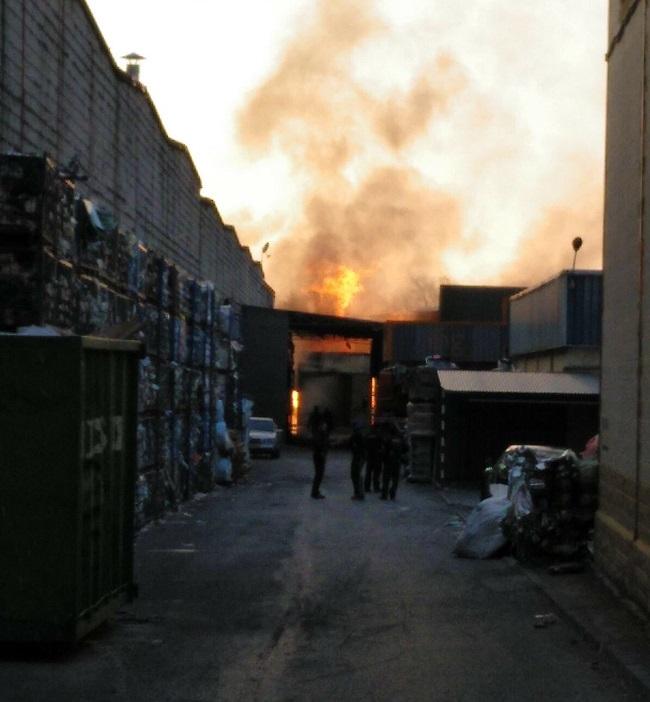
521, 499
482, 536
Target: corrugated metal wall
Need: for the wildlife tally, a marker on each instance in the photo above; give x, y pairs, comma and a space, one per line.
584, 309
564, 311
474, 303
265, 362
409, 342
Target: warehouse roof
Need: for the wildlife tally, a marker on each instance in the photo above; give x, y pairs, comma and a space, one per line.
519, 383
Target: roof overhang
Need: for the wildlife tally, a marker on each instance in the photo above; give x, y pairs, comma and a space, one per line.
504, 383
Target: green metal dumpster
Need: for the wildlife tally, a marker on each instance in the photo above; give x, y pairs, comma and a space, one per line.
67, 474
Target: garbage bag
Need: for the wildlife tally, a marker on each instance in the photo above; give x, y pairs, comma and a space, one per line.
521, 499
482, 536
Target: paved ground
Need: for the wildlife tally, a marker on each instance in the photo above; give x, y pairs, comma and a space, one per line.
259, 593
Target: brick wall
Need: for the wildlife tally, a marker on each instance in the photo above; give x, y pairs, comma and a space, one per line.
61, 93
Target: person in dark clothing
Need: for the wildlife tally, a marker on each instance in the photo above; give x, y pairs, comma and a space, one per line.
319, 429
393, 450
328, 418
373, 460
357, 444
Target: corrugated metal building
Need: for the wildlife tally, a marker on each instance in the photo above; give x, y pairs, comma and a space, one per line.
469, 345
475, 303
483, 412
557, 325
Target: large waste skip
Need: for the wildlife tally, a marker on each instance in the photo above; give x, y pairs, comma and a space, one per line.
67, 471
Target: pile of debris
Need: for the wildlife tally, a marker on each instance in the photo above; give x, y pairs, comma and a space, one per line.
549, 507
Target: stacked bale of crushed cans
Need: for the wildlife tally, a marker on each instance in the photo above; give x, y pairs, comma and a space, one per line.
65, 263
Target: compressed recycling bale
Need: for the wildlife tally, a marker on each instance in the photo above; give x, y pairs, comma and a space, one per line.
204, 303
198, 347
174, 291
122, 261
94, 306
187, 298
148, 387
165, 381
174, 338
177, 379
197, 302
193, 388
59, 293
195, 435
137, 267
124, 309
165, 335
423, 393
414, 408
162, 283
205, 391
147, 442
221, 356
96, 235
148, 316
150, 263
423, 375
420, 421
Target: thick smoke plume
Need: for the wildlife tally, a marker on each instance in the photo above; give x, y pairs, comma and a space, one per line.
370, 218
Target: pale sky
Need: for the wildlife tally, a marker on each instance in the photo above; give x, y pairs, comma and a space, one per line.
521, 137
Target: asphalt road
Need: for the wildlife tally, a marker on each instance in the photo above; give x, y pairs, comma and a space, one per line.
259, 593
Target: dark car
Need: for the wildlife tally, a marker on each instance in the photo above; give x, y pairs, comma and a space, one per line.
263, 437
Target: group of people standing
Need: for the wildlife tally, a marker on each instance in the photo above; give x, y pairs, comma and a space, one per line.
381, 448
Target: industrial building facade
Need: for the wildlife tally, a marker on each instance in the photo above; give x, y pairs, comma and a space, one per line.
556, 326
623, 521
61, 93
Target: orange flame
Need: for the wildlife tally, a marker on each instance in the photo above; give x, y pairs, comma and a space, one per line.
339, 289
295, 410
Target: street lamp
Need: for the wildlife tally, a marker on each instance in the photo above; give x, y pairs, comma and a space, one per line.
576, 243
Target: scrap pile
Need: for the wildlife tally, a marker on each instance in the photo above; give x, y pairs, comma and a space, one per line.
551, 503
65, 263
554, 504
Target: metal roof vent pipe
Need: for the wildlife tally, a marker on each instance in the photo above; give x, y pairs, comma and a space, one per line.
133, 66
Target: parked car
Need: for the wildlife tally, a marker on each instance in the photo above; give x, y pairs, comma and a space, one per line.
263, 437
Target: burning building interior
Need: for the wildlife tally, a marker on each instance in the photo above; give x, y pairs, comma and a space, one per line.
294, 360
332, 373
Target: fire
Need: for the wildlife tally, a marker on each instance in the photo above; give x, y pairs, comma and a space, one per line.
331, 344
295, 410
373, 399
339, 289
